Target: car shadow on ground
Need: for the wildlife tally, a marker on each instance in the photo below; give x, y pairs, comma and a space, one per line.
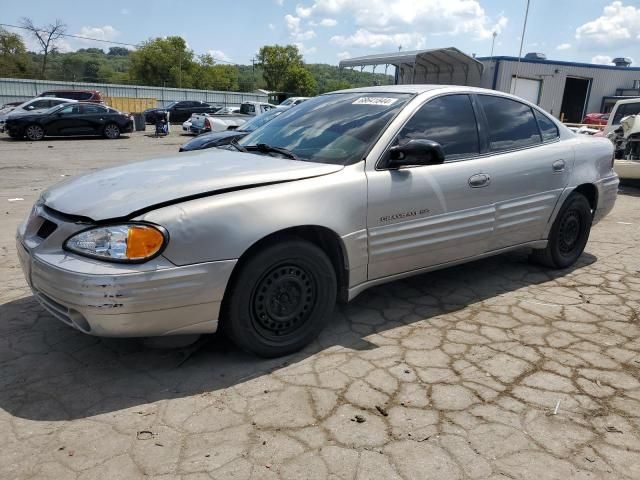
50, 372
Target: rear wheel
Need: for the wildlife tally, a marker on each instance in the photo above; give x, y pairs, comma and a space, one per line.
112, 131
280, 299
569, 234
34, 132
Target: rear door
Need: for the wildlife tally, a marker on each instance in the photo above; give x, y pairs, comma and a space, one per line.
530, 166
428, 215
95, 116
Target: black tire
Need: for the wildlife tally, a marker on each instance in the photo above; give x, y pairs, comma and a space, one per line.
280, 299
569, 234
34, 132
111, 131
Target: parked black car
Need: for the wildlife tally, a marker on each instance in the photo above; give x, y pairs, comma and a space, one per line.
218, 139
180, 111
71, 119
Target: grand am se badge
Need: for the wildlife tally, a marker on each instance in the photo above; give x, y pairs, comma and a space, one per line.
401, 215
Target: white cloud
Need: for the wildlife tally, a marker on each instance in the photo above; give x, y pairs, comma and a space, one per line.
617, 24
304, 50
102, 33
602, 60
365, 38
325, 22
409, 17
344, 55
303, 12
272, 26
297, 33
280, 2
219, 55
563, 46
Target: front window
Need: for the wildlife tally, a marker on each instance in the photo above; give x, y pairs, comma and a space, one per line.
260, 120
337, 128
448, 120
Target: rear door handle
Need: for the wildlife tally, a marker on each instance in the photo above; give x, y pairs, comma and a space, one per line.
558, 166
479, 180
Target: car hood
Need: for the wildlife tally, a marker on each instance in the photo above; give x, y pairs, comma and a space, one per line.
128, 191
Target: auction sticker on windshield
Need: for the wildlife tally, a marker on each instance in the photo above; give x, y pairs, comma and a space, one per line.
384, 101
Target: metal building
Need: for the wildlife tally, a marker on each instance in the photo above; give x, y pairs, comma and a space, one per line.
567, 90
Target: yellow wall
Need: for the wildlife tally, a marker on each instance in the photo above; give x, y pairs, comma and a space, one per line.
130, 104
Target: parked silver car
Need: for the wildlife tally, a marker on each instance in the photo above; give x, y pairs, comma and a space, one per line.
345, 191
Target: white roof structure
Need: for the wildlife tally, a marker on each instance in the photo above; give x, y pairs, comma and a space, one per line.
436, 66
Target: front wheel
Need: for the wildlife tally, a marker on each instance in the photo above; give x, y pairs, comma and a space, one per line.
569, 234
34, 132
111, 131
280, 299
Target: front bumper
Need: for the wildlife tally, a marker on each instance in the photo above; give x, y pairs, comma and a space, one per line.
122, 300
627, 169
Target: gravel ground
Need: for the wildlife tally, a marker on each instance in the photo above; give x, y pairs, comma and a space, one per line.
493, 370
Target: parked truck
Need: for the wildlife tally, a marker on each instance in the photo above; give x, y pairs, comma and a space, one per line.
221, 122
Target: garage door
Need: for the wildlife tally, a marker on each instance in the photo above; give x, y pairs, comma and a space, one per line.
527, 89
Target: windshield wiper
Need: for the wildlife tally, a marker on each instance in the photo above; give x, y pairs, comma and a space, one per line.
264, 148
234, 143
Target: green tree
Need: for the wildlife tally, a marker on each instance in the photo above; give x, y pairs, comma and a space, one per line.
118, 52
163, 61
299, 81
91, 71
333, 85
275, 61
14, 60
209, 76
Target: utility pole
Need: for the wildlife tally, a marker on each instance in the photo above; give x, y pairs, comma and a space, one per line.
524, 30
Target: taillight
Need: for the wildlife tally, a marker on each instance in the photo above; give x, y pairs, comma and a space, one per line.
207, 125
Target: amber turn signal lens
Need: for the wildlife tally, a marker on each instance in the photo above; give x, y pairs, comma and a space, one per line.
143, 242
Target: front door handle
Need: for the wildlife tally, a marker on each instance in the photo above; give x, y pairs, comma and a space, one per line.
558, 166
479, 180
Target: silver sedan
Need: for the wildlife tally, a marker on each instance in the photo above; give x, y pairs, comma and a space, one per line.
347, 190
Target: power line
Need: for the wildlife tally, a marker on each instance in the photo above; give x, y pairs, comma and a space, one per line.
82, 37
70, 36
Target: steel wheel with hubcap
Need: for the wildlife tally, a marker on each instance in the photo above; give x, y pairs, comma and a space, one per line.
569, 234
34, 132
112, 131
280, 298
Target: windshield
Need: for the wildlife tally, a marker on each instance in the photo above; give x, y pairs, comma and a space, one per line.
338, 128
260, 120
168, 106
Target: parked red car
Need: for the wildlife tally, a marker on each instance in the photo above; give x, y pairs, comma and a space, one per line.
92, 96
596, 119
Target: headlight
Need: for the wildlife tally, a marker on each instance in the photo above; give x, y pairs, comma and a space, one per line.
133, 242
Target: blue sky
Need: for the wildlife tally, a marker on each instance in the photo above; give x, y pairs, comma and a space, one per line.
328, 30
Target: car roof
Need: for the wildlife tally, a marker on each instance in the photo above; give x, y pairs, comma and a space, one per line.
69, 90
67, 100
630, 100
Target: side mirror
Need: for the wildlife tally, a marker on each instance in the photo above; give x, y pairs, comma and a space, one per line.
416, 152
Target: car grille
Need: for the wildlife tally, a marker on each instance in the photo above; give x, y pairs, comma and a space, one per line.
46, 229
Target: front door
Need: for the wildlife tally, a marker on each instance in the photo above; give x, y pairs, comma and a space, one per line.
69, 121
428, 215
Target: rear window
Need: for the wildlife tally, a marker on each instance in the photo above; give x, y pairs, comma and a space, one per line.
247, 108
547, 127
511, 124
624, 110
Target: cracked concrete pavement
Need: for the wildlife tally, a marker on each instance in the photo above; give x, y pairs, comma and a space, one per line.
492, 370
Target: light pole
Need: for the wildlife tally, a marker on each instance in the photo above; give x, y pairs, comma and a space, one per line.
493, 42
524, 29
